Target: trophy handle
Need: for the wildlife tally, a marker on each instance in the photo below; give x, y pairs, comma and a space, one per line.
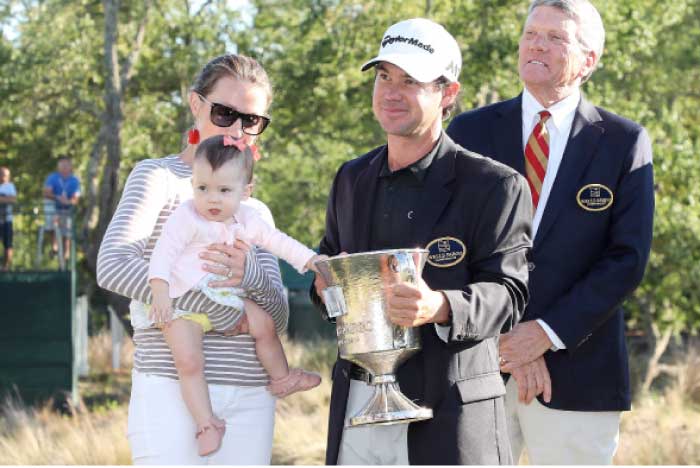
335, 301
402, 263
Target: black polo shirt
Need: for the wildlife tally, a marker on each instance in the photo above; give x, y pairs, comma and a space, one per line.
396, 200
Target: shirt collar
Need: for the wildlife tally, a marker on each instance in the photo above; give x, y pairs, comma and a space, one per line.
560, 111
418, 168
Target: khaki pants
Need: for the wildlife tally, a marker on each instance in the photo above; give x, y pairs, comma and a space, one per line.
556, 437
371, 445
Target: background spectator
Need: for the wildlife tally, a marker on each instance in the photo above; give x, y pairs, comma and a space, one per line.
63, 188
8, 196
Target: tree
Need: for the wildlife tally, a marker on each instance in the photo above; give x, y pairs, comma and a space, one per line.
129, 65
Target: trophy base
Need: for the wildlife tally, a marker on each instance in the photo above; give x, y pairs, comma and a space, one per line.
389, 406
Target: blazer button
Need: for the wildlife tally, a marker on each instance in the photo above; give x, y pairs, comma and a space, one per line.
530, 266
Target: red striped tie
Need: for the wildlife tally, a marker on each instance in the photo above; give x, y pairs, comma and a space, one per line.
536, 157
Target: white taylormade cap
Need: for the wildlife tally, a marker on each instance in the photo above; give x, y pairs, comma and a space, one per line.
422, 48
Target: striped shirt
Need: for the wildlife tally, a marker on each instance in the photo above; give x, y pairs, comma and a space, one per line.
153, 190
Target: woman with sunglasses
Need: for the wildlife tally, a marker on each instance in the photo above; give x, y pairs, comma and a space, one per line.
230, 96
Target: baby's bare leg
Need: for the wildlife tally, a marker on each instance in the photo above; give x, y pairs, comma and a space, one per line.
268, 348
184, 337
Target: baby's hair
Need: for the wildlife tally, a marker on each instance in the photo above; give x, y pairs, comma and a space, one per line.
213, 150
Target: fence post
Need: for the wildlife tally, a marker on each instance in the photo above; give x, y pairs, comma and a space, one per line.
117, 331
81, 336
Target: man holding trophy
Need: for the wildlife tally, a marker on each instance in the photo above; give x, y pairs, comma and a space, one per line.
422, 199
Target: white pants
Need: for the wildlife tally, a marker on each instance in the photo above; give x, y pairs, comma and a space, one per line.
557, 437
162, 432
371, 445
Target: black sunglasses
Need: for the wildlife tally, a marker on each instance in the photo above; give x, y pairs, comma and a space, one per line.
225, 116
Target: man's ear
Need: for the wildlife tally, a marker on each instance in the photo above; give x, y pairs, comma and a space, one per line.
449, 93
589, 64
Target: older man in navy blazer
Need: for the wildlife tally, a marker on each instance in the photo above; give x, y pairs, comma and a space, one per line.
590, 174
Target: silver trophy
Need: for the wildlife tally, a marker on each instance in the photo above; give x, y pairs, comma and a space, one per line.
356, 297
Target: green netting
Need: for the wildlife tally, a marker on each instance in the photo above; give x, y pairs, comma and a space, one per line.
36, 351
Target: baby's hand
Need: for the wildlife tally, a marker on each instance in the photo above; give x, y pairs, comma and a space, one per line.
311, 264
161, 311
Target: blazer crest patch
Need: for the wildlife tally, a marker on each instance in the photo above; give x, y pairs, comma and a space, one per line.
595, 197
445, 252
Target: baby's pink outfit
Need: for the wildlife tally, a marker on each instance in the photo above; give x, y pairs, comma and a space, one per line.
186, 234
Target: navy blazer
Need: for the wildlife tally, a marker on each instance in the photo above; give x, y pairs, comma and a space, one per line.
583, 263
487, 206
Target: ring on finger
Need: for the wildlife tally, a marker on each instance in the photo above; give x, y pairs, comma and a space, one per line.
229, 272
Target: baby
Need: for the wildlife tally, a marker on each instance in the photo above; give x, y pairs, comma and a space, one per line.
221, 178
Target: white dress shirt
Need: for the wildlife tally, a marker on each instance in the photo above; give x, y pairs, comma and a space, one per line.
558, 127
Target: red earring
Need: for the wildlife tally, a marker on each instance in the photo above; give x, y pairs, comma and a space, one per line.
256, 153
193, 136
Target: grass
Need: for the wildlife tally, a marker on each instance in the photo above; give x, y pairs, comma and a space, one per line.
43, 437
300, 424
661, 429
93, 433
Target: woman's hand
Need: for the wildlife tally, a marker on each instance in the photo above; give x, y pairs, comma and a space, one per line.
226, 260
